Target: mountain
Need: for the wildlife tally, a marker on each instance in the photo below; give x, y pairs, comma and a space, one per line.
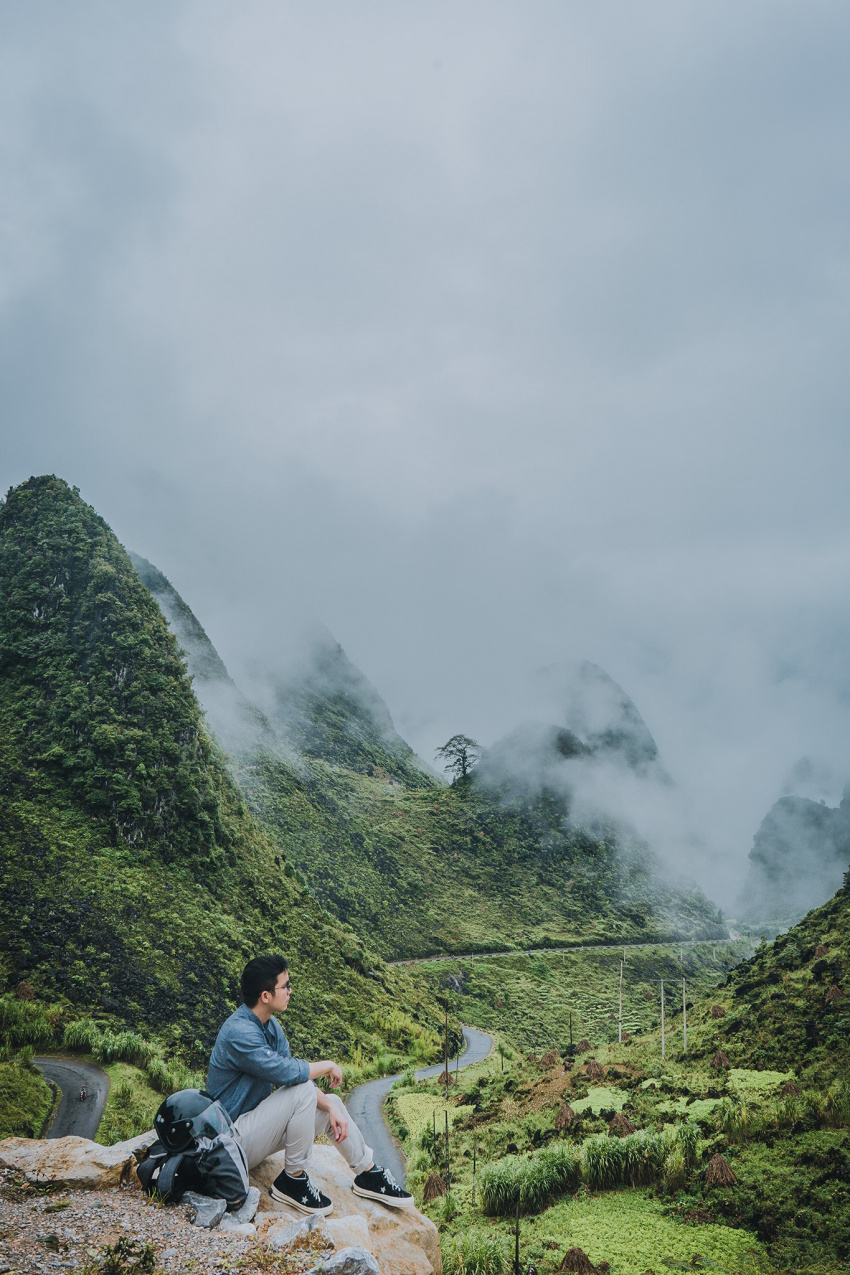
595, 709
135, 880
417, 866
798, 859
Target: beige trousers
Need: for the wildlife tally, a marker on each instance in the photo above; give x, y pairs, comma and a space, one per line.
289, 1120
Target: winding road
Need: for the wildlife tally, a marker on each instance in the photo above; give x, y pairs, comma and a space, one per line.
73, 1117
365, 1102
554, 951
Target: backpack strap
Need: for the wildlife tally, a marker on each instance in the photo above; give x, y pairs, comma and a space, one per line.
165, 1183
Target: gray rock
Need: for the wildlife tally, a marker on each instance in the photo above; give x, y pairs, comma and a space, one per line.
228, 1223
355, 1260
282, 1235
205, 1211
248, 1210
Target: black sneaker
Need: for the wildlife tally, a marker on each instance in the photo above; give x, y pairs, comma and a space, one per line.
301, 1194
378, 1184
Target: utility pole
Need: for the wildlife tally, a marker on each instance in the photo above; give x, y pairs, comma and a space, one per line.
684, 1019
447, 1056
663, 1052
620, 1020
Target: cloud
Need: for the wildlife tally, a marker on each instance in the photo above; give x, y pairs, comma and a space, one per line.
488, 337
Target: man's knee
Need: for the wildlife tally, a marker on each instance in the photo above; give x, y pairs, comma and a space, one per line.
306, 1095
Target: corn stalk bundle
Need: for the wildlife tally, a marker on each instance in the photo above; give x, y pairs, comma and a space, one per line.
717, 1011
621, 1126
577, 1261
434, 1187
594, 1070
552, 1059
583, 1046
821, 951
719, 1172
720, 1061
565, 1117
834, 996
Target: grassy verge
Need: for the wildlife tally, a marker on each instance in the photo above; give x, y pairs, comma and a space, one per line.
25, 1100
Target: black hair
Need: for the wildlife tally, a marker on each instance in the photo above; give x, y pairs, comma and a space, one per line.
261, 975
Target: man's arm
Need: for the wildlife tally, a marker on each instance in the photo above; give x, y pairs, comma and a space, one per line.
326, 1068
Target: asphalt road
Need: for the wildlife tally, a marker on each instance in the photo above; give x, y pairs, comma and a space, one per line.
72, 1116
365, 1103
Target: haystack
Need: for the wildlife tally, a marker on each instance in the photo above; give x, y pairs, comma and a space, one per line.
434, 1187
594, 1070
719, 1172
621, 1126
821, 951
583, 1046
717, 1011
551, 1059
446, 1078
576, 1260
834, 996
565, 1117
720, 1061
790, 1090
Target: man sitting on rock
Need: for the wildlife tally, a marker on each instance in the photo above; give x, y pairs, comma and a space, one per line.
273, 1102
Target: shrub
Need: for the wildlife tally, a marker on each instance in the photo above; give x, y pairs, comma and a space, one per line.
83, 1034
535, 1182
474, 1253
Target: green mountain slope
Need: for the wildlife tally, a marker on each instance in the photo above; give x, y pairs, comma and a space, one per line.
418, 867
135, 881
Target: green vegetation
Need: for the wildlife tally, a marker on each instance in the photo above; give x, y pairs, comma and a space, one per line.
779, 1117
134, 881
25, 1098
131, 1104
389, 849
532, 998
430, 869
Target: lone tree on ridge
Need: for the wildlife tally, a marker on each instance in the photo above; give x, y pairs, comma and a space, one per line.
459, 754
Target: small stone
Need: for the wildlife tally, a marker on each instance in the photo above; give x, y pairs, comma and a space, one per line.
171, 1252
281, 1236
349, 1261
247, 1211
206, 1212
229, 1223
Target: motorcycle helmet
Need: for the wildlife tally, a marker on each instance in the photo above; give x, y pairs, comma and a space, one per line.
187, 1115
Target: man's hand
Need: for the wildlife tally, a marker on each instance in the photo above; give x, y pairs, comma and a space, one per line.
332, 1070
339, 1125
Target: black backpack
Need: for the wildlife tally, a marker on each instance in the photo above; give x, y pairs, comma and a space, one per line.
210, 1166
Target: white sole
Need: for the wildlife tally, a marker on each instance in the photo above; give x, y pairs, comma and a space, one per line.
296, 1204
385, 1199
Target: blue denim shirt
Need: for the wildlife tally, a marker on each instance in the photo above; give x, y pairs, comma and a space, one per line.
249, 1060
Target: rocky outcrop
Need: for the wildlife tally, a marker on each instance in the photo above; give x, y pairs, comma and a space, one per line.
403, 1242
76, 1161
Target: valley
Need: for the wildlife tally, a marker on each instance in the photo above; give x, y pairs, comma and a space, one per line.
158, 826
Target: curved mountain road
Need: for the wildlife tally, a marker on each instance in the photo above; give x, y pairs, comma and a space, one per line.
555, 951
73, 1117
365, 1102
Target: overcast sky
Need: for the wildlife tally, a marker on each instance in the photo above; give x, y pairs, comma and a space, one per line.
489, 334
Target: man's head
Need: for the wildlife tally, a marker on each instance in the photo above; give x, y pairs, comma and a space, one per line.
266, 974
